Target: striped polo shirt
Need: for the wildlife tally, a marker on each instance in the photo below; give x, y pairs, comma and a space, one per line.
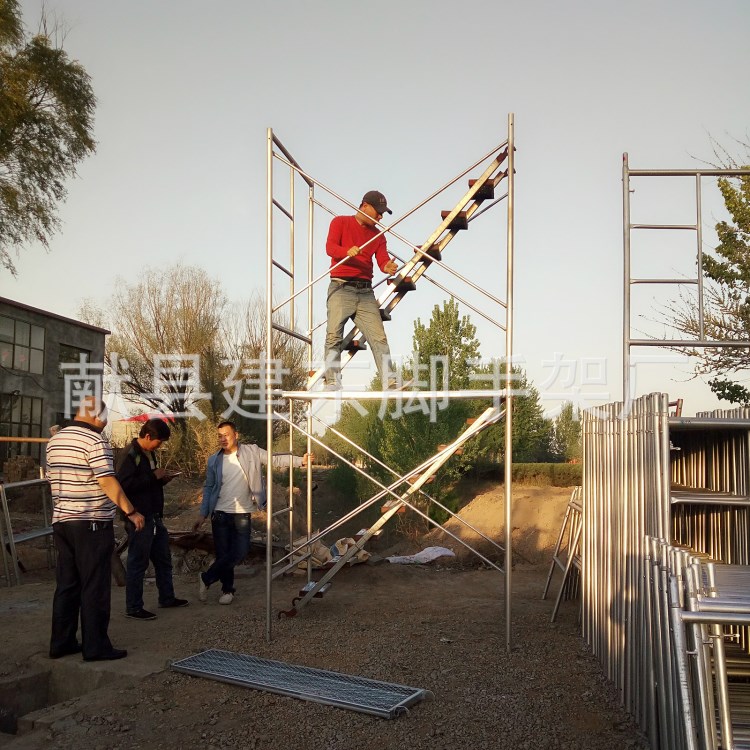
76, 456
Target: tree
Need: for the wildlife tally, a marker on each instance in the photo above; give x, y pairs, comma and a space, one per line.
532, 431
243, 339
567, 434
726, 293
449, 346
46, 128
175, 313
181, 314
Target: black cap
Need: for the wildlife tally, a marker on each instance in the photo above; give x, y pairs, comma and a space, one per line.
377, 200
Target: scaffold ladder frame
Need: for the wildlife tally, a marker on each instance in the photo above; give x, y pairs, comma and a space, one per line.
426, 254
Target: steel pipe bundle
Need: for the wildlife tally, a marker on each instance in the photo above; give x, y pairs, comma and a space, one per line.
648, 476
701, 675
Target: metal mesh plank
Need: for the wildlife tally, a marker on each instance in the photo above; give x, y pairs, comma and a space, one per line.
383, 699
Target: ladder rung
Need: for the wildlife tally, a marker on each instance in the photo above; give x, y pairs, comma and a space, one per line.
458, 452
460, 220
433, 252
290, 332
389, 506
310, 586
281, 512
485, 192
283, 210
403, 285
355, 346
283, 268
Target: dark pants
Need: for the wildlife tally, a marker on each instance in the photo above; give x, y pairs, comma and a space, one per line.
84, 567
231, 543
151, 543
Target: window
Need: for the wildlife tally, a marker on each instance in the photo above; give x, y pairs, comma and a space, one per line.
21, 345
20, 416
72, 355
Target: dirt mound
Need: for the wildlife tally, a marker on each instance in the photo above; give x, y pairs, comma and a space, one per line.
537, 513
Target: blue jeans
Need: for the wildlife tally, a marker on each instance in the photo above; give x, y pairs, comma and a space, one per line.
360, 305
231, 543
151, 543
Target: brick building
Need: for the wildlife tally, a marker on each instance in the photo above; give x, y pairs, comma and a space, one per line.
40, 355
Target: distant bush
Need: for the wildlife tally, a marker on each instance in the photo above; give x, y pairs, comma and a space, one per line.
546, 475
342, 479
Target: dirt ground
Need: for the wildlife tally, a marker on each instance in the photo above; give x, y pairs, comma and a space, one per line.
440, 627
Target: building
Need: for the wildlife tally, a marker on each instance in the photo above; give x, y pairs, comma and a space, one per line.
45, 360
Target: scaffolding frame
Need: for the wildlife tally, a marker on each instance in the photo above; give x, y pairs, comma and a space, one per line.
628, 342
428, 253
656, 485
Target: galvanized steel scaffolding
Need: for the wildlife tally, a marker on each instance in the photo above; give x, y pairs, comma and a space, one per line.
498, 166
665, 498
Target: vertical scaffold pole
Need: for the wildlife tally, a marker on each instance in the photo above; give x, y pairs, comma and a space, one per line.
293, 326
310, 355
626, 285
269, 375
509, 390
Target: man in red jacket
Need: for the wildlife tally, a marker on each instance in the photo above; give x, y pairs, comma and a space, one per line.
355, 240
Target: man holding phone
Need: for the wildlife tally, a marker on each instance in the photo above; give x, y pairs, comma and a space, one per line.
143, 481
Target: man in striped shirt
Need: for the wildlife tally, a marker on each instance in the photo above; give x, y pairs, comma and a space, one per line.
85, 493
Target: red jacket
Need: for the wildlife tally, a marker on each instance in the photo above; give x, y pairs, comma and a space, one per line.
344, 233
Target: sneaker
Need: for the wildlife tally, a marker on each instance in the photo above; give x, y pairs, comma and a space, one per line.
202, 588
141, 614
226, 598
175, 603
332, 386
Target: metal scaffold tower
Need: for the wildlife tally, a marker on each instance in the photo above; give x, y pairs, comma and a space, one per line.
665, 528
492, 171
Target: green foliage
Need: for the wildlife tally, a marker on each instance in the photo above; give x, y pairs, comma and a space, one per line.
566, 444
732, 274
726, 294
451, 338
734, 270
342, 480
46, 128
403, 435
548, 475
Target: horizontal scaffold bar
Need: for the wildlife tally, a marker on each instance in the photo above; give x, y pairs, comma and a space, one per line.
689, 172
702, 423
290, 332
381, 395
687, 343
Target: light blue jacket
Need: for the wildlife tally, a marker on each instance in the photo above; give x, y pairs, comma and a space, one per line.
251, 459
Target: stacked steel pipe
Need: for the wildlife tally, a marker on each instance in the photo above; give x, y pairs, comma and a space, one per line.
701, 672
646, 475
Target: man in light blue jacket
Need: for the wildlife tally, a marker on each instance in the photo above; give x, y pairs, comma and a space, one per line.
233, 490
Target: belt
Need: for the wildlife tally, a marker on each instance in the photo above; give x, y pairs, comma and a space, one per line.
356, 283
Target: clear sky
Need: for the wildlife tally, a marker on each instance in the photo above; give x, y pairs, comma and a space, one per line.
402, 96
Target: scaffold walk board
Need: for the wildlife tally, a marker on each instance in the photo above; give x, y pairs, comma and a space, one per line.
383, 699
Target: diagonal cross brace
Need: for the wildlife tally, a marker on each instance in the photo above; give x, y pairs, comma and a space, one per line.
486, 419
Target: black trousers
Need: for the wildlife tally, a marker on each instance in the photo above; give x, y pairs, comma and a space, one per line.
84, 568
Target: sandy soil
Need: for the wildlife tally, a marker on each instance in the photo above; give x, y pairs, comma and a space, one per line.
439, 627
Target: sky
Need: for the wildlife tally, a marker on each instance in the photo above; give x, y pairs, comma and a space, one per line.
402, 97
